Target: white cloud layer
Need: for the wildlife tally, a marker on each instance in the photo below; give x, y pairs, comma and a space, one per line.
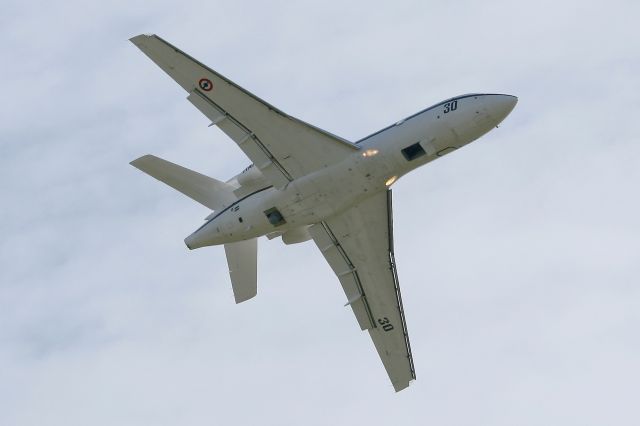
519, 255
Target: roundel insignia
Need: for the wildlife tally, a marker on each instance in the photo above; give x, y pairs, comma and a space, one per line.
205, 84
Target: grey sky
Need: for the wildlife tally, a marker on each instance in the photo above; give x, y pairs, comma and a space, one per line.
518, 256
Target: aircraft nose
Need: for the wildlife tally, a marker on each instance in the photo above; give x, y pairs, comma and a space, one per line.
501, 105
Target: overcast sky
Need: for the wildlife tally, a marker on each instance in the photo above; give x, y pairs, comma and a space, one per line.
518, 256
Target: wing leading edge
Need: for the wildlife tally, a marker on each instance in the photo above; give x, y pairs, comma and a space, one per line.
358, 245
282, 147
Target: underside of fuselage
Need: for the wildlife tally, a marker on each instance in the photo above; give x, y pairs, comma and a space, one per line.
381, 160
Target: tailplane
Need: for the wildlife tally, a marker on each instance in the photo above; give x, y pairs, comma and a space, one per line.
206, 190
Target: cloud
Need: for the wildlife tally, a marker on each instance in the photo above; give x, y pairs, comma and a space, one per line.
518, 255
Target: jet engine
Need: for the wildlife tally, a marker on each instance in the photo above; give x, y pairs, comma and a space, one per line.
247, 181
250, 176
296, 235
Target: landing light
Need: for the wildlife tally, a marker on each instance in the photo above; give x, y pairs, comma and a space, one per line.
370, 153
391, 180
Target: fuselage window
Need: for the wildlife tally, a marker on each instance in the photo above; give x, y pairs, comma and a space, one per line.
413, 151
275, 217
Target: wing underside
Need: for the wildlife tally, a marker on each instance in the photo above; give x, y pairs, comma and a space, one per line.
282, 147
358, 245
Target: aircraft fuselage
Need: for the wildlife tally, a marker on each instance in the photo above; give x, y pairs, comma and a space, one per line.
384, 157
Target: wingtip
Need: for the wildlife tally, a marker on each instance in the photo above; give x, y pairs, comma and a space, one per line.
243, 298
140, 37
139, 160
400, 386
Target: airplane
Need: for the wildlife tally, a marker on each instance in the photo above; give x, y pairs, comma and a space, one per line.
305, 183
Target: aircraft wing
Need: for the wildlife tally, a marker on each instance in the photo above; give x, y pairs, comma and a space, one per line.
358, 245
282, 147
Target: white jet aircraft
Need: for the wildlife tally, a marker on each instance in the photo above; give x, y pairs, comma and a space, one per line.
306, 183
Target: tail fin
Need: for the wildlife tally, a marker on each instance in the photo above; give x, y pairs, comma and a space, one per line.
242, 257
207, 191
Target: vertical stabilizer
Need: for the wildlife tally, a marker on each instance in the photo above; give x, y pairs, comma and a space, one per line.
242, 257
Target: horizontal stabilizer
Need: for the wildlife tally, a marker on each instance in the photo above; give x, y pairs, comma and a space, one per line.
207, 191
242, 257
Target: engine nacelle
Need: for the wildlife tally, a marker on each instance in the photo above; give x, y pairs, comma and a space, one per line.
296, 235
250, 176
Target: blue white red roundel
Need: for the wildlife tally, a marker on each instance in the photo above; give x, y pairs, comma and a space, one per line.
205, 84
